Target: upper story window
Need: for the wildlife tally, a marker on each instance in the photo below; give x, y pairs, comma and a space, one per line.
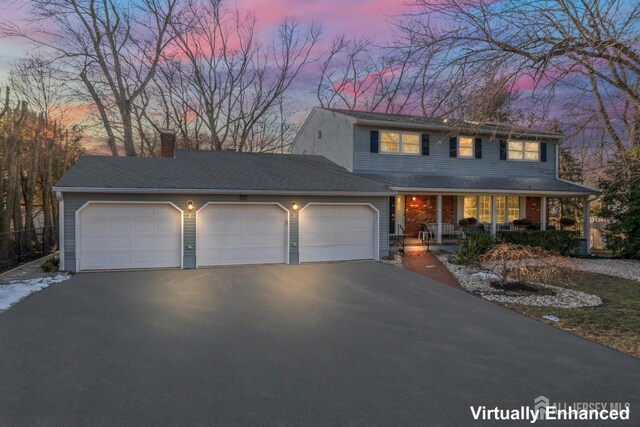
465, 147
399, 142
524, 150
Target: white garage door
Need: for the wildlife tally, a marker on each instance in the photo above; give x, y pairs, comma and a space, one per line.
122, 236
233, 234
337, 233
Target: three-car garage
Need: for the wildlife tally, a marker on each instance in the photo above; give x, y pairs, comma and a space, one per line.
210, 209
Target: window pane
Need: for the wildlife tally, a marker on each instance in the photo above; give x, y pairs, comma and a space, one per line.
470, 207
411, 138
465, 146
532, 146
485, 208
411, 143
500, 209
515, 155
532, 155
514, 208
515, 145
465, 142
389, 142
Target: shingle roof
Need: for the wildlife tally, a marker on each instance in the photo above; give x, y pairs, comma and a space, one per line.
491, 184
488, 127
226, 171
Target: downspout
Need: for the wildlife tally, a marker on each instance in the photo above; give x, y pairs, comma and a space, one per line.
61, 228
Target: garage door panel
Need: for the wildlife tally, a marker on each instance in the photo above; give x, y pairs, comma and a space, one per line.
337, 233
129, 236
241, 234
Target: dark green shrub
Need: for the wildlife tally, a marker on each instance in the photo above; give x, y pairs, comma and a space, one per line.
567, 222
476, 244
468, 221
50, 264
562, 242
522, 222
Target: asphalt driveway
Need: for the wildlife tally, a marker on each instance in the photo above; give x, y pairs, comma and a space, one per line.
326, 344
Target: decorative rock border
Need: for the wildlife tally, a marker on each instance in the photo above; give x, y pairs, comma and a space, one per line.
477, 282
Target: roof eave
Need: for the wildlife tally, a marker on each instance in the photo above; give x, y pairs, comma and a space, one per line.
65, 189
492, 191
479, 129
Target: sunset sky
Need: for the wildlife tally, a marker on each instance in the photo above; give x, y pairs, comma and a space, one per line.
354, 18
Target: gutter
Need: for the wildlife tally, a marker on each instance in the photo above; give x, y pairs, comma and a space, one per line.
221, 191
464, 128
489, 191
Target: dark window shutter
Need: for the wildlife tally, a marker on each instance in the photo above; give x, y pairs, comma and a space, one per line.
503, 149
425, 144
478, 147
543, 151
453, 147
374, 137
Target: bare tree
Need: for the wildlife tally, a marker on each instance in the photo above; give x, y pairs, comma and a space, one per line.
587, 44
114, 47
228, 79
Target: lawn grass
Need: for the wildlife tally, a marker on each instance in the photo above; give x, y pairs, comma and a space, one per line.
615, 324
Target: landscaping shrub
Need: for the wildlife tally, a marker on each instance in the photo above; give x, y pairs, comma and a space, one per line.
518, 262
476, 244
468, 221
50, 264
562, 242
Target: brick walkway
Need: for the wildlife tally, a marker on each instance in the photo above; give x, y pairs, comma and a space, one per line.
429, 266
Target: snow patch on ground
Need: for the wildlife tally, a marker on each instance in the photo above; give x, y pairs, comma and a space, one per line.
478, 282
13, 292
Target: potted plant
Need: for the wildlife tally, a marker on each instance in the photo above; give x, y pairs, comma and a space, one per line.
567, 222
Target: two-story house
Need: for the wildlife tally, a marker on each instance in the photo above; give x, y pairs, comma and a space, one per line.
354, 181
445, 170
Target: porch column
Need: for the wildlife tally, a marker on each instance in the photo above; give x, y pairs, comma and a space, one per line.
439, 218
586, 226
543, 213
494, 208
523, 207
400, 209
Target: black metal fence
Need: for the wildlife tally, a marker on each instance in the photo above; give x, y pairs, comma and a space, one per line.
24, 245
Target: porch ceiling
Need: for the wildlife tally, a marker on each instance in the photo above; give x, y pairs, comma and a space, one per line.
477, 184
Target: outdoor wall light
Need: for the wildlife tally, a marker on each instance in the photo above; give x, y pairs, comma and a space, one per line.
295, 206
189, 205
414, 198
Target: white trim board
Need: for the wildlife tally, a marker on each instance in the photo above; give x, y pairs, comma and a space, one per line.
187, 191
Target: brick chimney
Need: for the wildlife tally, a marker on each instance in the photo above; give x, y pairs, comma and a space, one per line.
167, 143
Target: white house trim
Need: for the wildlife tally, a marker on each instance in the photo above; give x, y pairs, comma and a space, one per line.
187, 191
376, 228
452, 191
129, 202
287, 228
61, 228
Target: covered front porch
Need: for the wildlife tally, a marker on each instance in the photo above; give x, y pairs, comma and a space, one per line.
424, 218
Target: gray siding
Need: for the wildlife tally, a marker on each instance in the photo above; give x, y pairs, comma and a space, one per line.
336, 143
74, 201
439, 162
